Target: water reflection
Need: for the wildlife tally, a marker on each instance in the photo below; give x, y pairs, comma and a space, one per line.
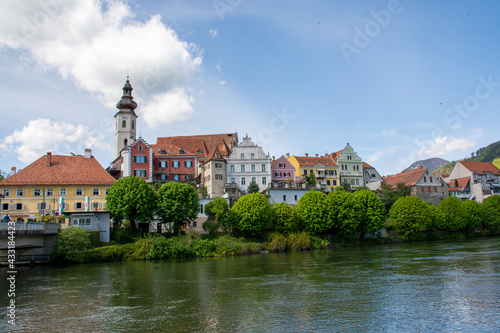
441, 286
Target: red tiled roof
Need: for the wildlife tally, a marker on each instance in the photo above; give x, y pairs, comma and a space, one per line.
367, 166
63, 170
335, 155
409, 178
205, 143
170, 150
462, 183
311, 161
481, 167
222, 149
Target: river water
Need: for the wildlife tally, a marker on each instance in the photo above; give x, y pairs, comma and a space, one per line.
451, 286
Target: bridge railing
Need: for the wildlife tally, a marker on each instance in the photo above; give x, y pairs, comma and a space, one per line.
22, 228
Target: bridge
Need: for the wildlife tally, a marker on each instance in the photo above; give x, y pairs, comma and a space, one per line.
34, 242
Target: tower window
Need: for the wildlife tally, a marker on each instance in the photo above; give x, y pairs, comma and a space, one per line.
125, 142
140, 148
133, 124
124, 123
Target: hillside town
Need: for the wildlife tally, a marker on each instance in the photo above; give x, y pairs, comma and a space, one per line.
72, 189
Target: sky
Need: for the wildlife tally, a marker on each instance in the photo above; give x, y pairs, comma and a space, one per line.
399, 80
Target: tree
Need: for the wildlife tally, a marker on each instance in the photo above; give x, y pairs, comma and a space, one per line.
371, 214
253, 187
471, 215
177, 203
310, 179
217, 212
312, 212
284, 217
452, 219
388, 195
342, 212
412, 217
251, 214
491, 213
131, 198
71, 244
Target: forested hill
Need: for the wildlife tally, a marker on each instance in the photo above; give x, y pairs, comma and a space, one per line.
490, 153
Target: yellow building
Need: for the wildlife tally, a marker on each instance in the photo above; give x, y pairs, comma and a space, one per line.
80, 183
324, 169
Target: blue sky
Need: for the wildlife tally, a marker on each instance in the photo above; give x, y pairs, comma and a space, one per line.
399, 80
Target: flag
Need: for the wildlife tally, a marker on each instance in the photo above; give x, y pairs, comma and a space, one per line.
61, 205
87, 204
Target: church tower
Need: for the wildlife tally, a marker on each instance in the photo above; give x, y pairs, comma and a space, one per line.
125, 120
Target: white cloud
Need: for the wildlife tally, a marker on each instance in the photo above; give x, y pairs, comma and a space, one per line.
176, 106
443, 146
223, 82
43, 135
218, 67
94, 43
213, 32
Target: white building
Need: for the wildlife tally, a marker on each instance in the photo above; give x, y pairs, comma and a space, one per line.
248, 162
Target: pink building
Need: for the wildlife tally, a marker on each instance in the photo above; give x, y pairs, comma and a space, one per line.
282, 172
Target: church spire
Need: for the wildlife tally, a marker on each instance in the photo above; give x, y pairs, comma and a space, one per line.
127, 100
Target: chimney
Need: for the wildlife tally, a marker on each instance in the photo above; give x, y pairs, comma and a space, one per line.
13, 171
316, 155
88, 153
49, 158
307, 154
287, 155
273, 158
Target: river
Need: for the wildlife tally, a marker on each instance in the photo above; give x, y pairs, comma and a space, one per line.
450, 286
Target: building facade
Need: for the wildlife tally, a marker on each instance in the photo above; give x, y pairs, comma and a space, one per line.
324, 169
478, 180
282, 172
350, 167
246, 163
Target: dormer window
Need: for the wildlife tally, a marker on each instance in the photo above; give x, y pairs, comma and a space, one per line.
163, 152
199, 151
181, 151
140, 148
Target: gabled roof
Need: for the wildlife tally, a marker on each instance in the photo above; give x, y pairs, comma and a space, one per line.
481, 167
312, 161
462, 183
335, 155
409, 178
202, 145
367, 166
282, 157
222, 149
170, 150
63, 170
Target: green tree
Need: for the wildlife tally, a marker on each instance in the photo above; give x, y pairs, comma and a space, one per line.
177, 203
71, 244
253, 187
251, 214
371, 214
389, 195
491, 213
312, 212
310, 179
452, 219
342, 212
131, 198
412, 217
285, 218
217, 212
471, 215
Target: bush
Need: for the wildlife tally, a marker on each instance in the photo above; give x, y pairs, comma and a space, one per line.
412, 217
312, 212
470, 213
284, 217
452, 219
491, 213
251, 214
71, 244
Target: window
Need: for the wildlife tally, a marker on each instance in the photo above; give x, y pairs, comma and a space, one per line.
37, 192
194, 224
252, 156
163, 152
334, 183
50, 192
253, 167
42, 205
242, 168
163, 164
107, 190
428, 188
5, 206
201, 208
311, 171
176, 177
425, 180
125, 142
305, 172
328, 183
79, 191
140, 173
82, 222
6, 192
95, 206
357, 181
139, 159
133, 123
263, 168
19, 206
430, 179
188, 164
422, 188
218, 165
181, 151
175, 164
254, 179
349, 157
275, 174
281, 165
243, 182
95, 191
284, 197
242, 155
264, 181
124, 123
435, 189
62, 192
19, 192
218, 176
232, 168
233, 180
295, 197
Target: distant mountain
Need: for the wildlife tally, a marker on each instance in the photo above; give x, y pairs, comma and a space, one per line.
430, 163
485, 154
